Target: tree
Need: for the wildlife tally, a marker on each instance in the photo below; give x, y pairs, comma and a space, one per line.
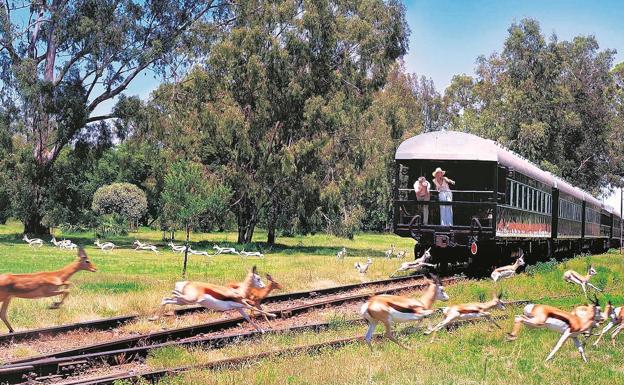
120, 200
61, 60
189, 195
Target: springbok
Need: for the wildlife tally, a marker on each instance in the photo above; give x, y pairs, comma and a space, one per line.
362, 268
509, 270
257, 295
217, 297
570, 324
225, 250
341, 254
197, 252
176, 248
401, 254
251, 254
35, 242
390, 252
572, 276
416, 264
469, 311
106, 246
144, 246
616, 318
70, 245
40, 285
388, 309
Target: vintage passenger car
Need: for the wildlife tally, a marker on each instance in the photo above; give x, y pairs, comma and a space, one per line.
501, 202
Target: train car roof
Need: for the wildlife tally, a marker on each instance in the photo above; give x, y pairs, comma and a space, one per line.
455, 145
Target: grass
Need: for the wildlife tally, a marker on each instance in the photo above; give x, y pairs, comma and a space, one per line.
472, 354
134, 282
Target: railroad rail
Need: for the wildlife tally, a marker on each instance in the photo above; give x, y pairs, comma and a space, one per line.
69, 361
110, 323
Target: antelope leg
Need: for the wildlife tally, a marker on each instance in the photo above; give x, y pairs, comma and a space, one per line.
3, 313
579, 346
559, 344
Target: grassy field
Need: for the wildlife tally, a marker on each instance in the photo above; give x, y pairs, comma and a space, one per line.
471, 354
131, 282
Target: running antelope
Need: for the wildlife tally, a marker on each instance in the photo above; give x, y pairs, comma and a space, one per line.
572, 276
144, 246
35, 242
197, 252
362, 268
257, 295
106, 246
509, 270
388, 309
581, 320
469, 311
416, 264
225, 250
176, 248
40, 285
341, 254
401, 254
251, 254
217, 297
390, 252
616, 318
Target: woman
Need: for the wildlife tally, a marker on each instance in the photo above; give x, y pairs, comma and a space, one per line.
422, 188
444, 195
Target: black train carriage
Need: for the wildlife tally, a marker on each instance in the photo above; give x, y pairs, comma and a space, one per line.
501, 202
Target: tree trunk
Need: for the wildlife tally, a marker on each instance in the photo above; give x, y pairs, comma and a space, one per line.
271, 224
188, 230
32, 224
246, 221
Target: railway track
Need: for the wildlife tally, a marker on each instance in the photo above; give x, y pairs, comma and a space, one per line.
114, 322
70, 361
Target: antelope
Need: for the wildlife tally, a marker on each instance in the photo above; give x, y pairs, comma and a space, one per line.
401, 254
395, 308
251, 254
35, 242
362, 268
197, 252
390, 252
417, 263
144, 246
225, 250
106, 246
469, 311
175, 248
570, 324
59, 244
341, 254
217, 297
509, 270
69, 245
616, 318
572, 276
257, 295
40, 285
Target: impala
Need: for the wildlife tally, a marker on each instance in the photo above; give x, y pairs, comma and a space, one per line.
40, 285
341, 254
251, 254
217, 297
106, 246
616, 318
572, 276
417, 263
144, 246
225, 250
362, 268
35, 242
257, 295
581, 320
176, 248
469, 311
388, 309
509, 270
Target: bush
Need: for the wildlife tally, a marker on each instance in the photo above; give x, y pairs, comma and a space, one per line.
123, 199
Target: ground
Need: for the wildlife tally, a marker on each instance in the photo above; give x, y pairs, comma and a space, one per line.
133, 282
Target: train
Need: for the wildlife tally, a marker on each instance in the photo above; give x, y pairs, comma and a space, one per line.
501, 203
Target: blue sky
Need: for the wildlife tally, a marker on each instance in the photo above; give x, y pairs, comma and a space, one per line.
447, 36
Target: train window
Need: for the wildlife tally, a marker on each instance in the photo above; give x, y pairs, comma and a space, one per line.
525, 191
509, 192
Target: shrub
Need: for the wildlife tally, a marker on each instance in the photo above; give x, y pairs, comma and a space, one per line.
123, 199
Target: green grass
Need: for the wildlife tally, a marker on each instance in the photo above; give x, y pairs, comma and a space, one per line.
134, 282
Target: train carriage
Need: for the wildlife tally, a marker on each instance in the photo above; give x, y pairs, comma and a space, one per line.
501, 201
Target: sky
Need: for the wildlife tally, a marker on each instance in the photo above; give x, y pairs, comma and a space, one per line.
447, 36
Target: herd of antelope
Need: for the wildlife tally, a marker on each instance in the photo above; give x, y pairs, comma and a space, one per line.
379, 309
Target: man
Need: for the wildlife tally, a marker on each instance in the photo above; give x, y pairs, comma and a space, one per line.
422, 189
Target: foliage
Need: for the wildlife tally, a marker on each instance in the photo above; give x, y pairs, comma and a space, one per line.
119, 200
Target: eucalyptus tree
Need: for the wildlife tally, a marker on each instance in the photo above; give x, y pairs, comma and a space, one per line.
62, 62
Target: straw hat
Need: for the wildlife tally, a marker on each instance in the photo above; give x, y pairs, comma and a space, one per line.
437, 170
